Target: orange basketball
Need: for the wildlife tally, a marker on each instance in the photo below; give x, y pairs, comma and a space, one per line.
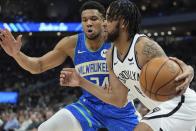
157, 78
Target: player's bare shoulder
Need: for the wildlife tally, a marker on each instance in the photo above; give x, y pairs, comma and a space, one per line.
68, 42
67, 45
147, 49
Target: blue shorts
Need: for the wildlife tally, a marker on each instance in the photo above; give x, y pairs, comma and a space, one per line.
93, 116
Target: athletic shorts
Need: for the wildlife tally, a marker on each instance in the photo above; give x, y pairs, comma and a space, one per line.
100, 115
178, 114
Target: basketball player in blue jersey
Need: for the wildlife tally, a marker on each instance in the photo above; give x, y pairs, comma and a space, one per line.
131, 51
88, 52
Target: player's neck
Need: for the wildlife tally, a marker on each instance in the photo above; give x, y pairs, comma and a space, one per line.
95, 44
122, 43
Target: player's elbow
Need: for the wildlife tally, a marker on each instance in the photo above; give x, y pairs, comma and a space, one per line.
37, 68
37, 71
34, 72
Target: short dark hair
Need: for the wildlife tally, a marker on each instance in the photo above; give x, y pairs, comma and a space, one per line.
128, 11
93, 5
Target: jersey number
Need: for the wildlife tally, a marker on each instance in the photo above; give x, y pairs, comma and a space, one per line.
97, 81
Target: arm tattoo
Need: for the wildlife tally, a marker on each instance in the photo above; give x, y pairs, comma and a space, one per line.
152, 50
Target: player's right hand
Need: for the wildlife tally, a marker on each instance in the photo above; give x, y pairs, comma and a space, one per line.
69, 77
186, 76
10, 45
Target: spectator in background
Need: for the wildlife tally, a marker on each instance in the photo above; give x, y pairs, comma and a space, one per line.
12, 122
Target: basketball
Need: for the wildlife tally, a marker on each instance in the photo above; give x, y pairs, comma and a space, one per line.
157, 79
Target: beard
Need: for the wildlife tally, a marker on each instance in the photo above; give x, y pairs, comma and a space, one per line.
112, 36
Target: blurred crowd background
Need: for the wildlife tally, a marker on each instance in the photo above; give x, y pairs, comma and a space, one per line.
170, 22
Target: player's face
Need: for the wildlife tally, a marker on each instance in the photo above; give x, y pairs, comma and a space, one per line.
113, 29
92, 22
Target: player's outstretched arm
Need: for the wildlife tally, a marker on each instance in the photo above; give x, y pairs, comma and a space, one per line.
115, 94
35, 65
148, 49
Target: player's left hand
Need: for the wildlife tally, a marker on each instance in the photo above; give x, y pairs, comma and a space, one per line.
69, 77
186, 76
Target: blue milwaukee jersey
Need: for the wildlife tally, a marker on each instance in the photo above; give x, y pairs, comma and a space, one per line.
90, 111
91, 64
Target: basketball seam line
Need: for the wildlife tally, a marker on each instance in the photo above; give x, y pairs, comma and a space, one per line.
145, 78
167, 83
156, 76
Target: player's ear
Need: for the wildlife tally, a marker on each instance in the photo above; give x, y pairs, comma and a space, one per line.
122, 23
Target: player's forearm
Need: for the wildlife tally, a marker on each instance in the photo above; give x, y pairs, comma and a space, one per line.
28, 63
99, 92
